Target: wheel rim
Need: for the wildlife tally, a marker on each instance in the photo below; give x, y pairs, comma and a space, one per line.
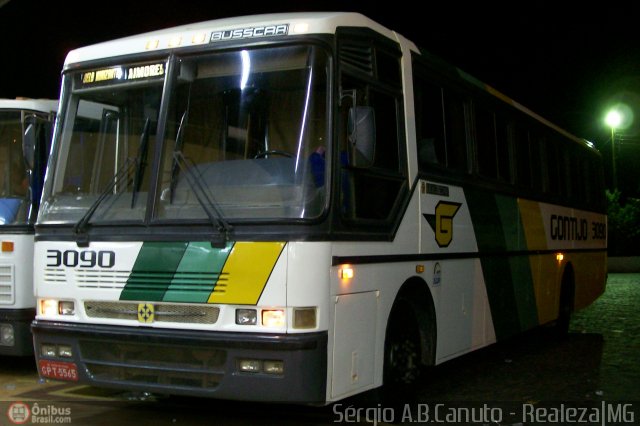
403, 351
404, 358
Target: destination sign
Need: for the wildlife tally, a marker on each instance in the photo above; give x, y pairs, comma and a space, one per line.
122, 74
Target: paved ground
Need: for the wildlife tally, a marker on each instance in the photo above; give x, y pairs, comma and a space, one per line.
599, 359
598, 363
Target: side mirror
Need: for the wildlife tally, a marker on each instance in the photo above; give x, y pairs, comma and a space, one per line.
362, 136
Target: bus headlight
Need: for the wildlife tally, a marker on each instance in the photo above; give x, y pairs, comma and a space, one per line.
266, 366
65, 351
273, 318
273, 367
246, 316
53, 307
48, 307
7, 337
48, 350
249, 365
66, 307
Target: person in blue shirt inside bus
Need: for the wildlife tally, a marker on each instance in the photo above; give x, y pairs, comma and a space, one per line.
317, 161
12, 199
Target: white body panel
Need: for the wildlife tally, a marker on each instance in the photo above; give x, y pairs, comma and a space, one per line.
41, 105
16, 268
16, 273
460, 299
201, 33
308, 275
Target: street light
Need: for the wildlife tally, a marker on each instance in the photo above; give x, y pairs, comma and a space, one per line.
613, 120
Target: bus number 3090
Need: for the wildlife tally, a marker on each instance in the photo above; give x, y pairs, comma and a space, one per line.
82, 259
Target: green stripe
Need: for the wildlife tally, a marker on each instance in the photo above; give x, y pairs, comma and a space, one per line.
524, 292
486, 219
502, 298
510, 220
520, 267
197, 273
153, 271
498, 228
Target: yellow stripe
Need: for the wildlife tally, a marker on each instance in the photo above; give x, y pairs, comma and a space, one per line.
544, 268
533, 226
545, 272
247, 270
590, 271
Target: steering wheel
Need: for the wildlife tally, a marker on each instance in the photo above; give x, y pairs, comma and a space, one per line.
265, 154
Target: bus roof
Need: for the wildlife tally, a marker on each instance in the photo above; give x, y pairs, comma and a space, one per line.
456, 73
243, 27
42, 105
522, 108
253, 26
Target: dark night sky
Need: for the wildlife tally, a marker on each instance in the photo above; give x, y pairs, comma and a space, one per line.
568, 63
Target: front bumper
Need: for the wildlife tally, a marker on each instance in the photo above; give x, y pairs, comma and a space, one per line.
187, 362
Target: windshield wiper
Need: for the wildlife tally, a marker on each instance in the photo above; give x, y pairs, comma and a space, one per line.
209, 206
180, 163
80, 227
141, 161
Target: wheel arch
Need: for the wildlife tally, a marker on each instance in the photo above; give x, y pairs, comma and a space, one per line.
417, 293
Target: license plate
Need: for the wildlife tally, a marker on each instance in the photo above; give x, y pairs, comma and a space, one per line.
59, 370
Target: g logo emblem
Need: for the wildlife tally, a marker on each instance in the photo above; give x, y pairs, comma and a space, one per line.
442, 222
145, 313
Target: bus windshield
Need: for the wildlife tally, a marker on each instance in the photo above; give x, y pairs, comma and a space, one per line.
14, 178
243, 137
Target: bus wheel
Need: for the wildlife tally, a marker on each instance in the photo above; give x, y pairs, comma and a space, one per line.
402, 353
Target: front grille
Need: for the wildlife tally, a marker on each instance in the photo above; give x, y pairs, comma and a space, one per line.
55, 275
163, 312
7, 284
154, 364
90, 278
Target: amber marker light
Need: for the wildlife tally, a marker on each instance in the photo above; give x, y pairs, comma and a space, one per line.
7, 246
301, 28
199, 38
346, 272
559, 257
152, 44
175, 41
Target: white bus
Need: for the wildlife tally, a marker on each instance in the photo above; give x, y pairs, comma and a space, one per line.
299, 207
26, 126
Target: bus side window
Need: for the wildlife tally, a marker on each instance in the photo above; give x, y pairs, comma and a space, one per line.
455, 131
503, 147
523, 156
429, 124
485, 140
538, 162
553, 167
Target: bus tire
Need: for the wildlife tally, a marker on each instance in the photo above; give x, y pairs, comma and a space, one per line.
409, 343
